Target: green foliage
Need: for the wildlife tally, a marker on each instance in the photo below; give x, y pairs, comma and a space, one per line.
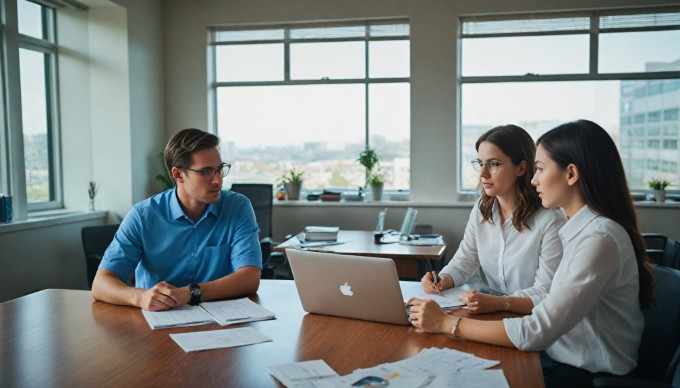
377, 177
164, 177
369, 159
292, 175
658, 183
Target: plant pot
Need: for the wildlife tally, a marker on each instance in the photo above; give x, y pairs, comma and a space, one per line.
293, 190
377, 191
659, 195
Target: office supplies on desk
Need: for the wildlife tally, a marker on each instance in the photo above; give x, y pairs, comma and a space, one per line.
301, 373
348, 286
320, 233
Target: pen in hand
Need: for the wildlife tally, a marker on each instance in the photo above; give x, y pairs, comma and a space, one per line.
434, 280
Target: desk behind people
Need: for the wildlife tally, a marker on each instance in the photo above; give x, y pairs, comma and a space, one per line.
63, 338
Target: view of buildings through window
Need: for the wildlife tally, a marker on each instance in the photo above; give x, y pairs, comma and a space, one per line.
312, 97
539, 73
36, 57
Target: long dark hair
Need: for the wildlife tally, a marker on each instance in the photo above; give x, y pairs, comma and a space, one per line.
516, 143
602, 184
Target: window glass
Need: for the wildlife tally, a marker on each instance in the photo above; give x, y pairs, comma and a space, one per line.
327, 60
654, 51
517, 55
316, 128
30, 19
389, 59
34, 104
256, 62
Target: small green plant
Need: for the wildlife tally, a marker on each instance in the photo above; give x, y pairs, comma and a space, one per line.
164, 178
92, 189
292, 175
658, 183
369, 159
377, 177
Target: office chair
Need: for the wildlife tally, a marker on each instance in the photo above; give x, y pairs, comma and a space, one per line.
659, 352
662, 250
655, 246
261, 198
95, 241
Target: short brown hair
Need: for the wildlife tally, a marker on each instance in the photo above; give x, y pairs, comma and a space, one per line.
184, 143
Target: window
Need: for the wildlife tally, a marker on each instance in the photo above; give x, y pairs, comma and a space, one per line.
312, 97
618, 69
35, 53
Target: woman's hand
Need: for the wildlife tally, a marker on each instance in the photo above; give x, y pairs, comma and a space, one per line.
427, 315
444, 282
479, 303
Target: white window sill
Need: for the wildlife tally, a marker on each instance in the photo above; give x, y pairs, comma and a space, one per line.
50, 218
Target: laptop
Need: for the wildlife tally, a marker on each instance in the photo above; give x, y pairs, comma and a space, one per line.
348, 286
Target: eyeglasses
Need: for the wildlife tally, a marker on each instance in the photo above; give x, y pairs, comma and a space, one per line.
210, 173
491, 166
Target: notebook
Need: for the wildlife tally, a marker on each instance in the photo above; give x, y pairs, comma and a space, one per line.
348, 286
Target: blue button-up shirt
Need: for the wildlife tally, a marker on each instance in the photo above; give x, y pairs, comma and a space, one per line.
161, 243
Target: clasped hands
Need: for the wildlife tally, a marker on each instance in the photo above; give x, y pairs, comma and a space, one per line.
163, 296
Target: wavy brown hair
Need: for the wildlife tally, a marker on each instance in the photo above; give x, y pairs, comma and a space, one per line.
516, 143
602, 184
181, 147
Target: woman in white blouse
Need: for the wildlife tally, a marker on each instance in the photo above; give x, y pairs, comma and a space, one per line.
590, 324
510, 238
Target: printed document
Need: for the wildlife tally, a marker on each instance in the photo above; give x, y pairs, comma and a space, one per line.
300, 373
225, 312
216, 339
448, 298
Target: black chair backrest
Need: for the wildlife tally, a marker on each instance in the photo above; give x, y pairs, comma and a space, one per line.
261, 197
95, 241
655, 246
659, 352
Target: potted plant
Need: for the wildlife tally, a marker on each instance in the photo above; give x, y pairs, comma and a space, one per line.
658, 186
377, 181
292, 182
368, 158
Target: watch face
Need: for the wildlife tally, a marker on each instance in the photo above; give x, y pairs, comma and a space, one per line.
196, 292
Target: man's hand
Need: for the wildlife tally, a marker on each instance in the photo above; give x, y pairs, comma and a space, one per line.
163, 296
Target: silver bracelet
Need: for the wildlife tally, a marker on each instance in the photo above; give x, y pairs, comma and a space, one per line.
456, 321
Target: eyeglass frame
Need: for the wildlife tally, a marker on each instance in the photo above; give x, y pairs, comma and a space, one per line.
205, 171
491, 165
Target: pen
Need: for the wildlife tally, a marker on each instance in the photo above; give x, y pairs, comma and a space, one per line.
434, 280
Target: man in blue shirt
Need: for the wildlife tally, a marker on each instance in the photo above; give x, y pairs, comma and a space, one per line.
193, 243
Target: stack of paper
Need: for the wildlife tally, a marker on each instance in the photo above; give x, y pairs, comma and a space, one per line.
321, 233
431, 367
226, 312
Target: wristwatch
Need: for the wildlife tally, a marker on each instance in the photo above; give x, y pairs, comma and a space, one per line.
196, 294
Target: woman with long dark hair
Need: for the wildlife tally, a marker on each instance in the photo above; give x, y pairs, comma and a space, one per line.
591, 322
510, 238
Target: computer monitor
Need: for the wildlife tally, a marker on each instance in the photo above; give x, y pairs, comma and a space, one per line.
409, 222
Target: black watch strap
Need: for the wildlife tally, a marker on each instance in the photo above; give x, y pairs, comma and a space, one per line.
196, 294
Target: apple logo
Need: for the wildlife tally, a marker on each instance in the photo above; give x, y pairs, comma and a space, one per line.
346, 289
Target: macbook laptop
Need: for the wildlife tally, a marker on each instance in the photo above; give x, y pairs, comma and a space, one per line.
348, 286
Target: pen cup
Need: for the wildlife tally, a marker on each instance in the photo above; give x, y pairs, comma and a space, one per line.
377, 236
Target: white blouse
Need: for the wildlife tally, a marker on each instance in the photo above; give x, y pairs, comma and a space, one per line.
510, 262
591, 319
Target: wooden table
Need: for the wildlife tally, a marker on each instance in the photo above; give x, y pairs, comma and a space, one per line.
360, 242
62, 338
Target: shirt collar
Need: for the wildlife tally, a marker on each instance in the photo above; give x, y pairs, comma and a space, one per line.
577, 223
176, 211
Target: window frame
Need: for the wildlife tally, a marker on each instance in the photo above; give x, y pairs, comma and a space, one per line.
13, 176
287, 41
593, 74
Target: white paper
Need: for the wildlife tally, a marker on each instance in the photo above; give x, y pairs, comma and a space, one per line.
180, 316
301, 373
472, 379
230, 312
448, 298
216, 339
